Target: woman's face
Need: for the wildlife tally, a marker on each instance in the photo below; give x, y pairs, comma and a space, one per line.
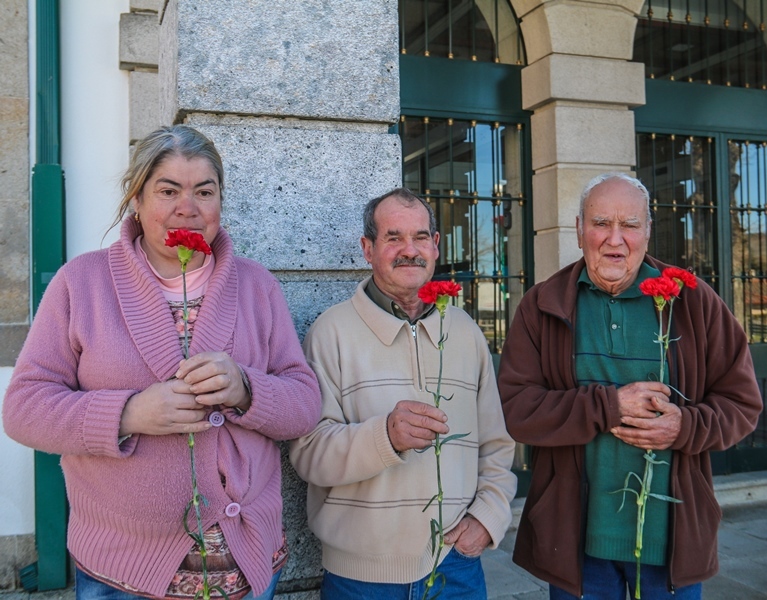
181, 194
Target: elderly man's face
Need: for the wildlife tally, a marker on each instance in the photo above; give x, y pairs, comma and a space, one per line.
614, 235
404, 254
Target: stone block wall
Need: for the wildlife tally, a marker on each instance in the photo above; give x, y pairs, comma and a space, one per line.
139, 54
299, 98
14, 180
16, 550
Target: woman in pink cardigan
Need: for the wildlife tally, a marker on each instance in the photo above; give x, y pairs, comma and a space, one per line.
102, 381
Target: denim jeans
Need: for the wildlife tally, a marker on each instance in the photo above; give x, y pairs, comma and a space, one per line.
88, 588
610, 580
465, 580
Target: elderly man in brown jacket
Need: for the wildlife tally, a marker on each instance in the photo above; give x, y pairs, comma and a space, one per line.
576, 382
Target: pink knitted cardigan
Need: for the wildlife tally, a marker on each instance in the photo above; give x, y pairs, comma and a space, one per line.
103, 333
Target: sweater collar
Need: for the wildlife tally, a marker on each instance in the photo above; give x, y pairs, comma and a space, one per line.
146, 313
386, 326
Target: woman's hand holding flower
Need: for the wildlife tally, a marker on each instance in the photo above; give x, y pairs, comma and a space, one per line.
214, 378
163, 408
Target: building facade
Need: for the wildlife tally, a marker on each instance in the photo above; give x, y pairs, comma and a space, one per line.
496, 111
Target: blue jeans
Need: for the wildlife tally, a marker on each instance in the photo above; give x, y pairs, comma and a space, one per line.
610, 579
465, 580
88, 588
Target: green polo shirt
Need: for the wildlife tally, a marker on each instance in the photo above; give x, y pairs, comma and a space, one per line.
614, 345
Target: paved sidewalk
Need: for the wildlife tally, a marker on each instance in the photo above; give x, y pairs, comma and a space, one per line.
742, 549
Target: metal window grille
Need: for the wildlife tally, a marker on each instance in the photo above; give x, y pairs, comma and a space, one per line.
748, 210
688, 231
478, 30
679, 173
718, 42
747, 199
471, 173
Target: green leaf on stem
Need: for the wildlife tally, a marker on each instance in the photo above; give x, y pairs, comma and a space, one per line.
665, 498
450, 438
433, 498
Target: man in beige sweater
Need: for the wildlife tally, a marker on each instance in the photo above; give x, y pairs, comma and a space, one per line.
369, 464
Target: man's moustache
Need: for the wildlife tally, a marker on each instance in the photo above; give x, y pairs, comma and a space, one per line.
409, 262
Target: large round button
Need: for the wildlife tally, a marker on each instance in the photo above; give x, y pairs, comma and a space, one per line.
216, 419
232, 510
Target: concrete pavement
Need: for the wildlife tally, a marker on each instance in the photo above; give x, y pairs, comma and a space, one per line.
742, 548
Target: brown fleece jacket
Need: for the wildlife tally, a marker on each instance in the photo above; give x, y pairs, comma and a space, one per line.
543, 406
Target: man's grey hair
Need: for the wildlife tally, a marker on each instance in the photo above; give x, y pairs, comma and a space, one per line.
406, 197
613, 175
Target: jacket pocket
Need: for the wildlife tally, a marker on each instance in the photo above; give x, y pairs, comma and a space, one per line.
697, 523
555, 524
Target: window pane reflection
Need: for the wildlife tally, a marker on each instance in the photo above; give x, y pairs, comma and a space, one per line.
480, 30
718, 42
471, 174
749, 247
679, 173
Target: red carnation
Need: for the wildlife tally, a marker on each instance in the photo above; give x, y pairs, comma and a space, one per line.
188, 239
434, 289
681, 276
660, 286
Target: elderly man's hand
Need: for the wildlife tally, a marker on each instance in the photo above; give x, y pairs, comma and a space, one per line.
469, 536
657, 432
414, 425
635, 399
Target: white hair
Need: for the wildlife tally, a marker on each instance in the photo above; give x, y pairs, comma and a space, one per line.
613, 175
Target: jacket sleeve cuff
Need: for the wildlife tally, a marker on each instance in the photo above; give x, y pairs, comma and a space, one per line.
496, 524
101, 424
386, 451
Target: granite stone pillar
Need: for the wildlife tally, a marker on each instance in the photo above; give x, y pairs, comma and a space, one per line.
580, 84
299, 98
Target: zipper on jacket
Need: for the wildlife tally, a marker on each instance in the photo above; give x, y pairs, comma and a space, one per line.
417, 358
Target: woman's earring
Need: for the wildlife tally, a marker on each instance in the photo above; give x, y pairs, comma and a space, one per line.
135, 216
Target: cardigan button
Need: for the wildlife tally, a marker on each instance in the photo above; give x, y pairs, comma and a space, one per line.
232, 510
216, 419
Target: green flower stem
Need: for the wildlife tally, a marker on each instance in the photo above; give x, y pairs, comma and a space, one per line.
649, 456
196, 498
642, 498
437, 452
198, 516
186, 312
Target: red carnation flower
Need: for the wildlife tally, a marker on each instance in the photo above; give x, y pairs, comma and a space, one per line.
431, 291
190, 240
681, 276
664, 287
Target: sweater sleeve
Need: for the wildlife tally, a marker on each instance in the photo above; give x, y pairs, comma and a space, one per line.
542, 404
725, 401
338, 452
285, 398
44, 407
496, 484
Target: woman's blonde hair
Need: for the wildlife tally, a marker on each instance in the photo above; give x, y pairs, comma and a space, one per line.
173, 140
